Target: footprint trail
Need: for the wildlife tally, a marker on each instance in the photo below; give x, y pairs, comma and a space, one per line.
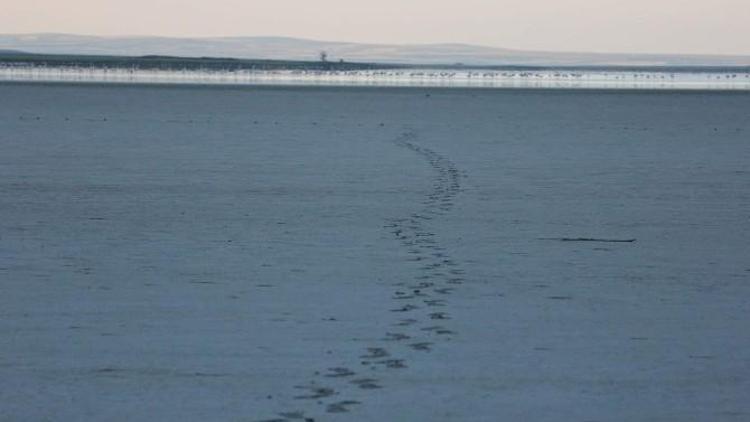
416, 322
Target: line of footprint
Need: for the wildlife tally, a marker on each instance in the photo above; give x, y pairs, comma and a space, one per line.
420, 319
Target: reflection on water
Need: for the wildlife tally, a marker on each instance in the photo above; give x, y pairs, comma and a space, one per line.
394, 77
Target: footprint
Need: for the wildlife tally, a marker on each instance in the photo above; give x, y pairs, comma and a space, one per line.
392, 363
316, 392
339, 372
406, 308
396, 337
425, 346
341, 407
437, 329
445, 290
406, 322
366, 383
375, 353
439, 315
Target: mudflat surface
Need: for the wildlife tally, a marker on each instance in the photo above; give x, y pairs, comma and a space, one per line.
196, 253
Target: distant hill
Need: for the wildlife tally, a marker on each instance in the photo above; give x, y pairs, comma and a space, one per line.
162, 62
280, 48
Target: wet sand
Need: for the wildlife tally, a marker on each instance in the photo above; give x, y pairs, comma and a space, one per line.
193, 253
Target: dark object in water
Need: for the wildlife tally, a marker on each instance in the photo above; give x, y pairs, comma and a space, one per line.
587, 239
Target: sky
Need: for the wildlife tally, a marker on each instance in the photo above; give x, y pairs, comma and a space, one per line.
611, 26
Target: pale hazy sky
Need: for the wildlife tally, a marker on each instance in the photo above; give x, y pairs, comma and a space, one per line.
656, 26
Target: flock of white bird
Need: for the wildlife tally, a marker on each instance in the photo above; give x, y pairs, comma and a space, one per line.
595, 78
